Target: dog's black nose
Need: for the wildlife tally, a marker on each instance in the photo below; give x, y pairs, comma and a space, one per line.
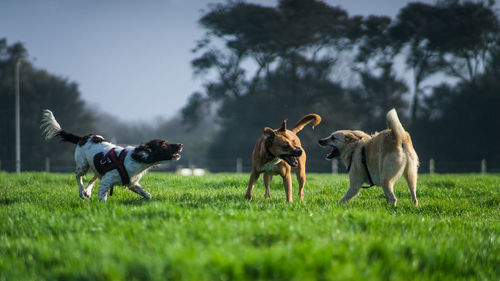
297, 152
321, 142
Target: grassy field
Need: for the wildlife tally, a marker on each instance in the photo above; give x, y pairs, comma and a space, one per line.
201, 228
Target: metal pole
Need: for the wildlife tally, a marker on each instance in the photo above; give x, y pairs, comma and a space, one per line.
47, 164
335, 167
483, 166
239, 165
18, 119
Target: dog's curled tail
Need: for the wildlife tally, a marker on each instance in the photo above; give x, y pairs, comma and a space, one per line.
51, 128
394, 124
305, 120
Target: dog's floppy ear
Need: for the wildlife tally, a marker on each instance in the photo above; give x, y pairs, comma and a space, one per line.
360, 134
269, 132
283, 126
141, 153
351, 137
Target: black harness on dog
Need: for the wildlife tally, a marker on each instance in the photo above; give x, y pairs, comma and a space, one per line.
110, 161
363, 161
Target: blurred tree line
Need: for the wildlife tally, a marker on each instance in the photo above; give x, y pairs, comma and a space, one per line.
263, 64
40, 90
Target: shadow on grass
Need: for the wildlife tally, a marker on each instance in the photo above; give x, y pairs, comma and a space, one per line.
8, 201
187, 200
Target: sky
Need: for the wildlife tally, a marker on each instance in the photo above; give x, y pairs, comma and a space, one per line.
131, 59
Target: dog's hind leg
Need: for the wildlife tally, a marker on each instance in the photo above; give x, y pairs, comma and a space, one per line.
388, 187
267, 183
87, 192
139, 190
411, 179
254, 176
79, 180
81, 168
393, 167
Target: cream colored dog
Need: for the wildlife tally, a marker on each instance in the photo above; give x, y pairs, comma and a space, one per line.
379, 159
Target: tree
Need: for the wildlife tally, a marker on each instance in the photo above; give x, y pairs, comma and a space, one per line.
39, 90
276, 63
379, 89
410, 34
377, 94
463, 34
454, 37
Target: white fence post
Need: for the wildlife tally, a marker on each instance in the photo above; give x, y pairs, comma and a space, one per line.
239, 165
431, 166
483, 166
335, 166
47, 164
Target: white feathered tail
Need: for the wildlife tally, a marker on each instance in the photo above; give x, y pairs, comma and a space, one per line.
49, 125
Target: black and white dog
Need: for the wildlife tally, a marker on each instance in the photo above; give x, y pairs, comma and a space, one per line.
113, 164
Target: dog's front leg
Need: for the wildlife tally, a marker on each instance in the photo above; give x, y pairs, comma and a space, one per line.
301, 179
139, 190
106, 183
87, 192
354, 188
267, 183
254, 176
287, 184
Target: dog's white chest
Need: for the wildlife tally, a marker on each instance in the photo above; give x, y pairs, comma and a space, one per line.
271, 166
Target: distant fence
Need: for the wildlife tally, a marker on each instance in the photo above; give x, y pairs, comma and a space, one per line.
244, 165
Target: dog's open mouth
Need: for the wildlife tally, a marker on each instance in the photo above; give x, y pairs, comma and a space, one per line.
334, 153
292, 161
177, 155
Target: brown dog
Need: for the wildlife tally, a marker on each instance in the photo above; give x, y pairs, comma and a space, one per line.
274, 153
380, 159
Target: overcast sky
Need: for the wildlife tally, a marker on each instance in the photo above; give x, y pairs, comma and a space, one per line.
129, 58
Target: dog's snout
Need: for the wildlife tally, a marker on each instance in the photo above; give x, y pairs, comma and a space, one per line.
322, 142
297, 152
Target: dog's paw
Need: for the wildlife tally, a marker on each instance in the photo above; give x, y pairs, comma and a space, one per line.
87, 193
248, 197
147, 195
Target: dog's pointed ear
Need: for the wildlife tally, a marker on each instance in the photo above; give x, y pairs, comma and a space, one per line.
269, 132
283, 126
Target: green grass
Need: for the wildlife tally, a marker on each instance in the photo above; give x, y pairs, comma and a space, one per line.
201, 228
